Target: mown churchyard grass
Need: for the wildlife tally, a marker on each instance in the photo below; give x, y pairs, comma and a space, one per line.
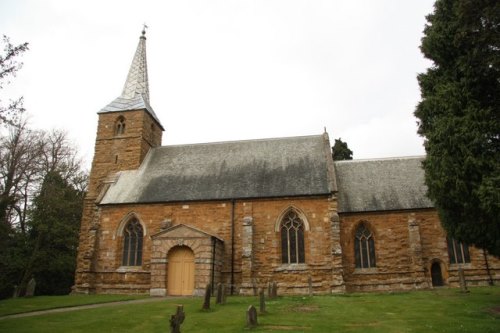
442, 310
21, 305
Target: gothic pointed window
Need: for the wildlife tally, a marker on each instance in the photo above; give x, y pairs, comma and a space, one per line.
458, 252
364, 247
132, 244
120, 125
292, 239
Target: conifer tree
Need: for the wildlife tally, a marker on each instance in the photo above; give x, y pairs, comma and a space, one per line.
459, 118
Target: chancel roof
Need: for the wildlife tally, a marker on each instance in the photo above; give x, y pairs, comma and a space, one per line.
280, 167
381, 184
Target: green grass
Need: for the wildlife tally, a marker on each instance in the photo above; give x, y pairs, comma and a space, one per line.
20, 305
444, 310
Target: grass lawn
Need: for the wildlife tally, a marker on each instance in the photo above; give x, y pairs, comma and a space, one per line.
443, 310
20, 305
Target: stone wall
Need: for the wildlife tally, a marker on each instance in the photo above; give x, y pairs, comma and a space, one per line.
257, 257
113, 153
406, 245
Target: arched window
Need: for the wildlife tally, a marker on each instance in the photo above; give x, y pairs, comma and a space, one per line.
120, 125
292, 239
132, 244
364, 247
458, 252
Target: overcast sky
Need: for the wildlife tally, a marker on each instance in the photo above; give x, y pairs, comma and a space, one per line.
228, 70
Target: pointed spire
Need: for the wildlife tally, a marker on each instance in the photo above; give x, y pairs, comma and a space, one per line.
135, 94
137, 78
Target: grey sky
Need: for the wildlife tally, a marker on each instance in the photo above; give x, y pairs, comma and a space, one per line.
229, 70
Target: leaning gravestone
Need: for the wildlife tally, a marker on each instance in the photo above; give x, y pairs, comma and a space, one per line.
262, 301
177, 319
30, 288
251, 316
206, 301
462, 281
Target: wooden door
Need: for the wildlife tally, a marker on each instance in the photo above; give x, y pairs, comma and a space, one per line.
180, 271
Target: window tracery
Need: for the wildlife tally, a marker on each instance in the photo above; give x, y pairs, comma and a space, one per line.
292, 239
132, 244
364, 247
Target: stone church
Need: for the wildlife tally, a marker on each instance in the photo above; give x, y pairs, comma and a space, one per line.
168, 220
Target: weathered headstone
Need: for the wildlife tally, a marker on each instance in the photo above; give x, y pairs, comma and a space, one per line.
206, 300
218, 298
251, 316
177, 319
30, 288
269, 290
262, 301
309, 282
15, 294
462, 281
274, 291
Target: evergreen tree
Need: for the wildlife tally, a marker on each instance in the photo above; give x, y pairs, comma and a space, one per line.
53, 236
340, 151
459, 118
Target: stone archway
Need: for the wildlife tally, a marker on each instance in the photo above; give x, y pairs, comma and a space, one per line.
180, 277
194, 255
437, 274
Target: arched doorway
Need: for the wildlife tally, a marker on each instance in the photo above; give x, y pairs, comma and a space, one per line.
180, 279
436, 275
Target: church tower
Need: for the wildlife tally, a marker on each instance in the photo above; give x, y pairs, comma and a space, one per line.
127, 129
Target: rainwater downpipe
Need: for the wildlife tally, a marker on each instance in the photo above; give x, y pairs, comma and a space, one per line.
232, 246
213, 262
490, 281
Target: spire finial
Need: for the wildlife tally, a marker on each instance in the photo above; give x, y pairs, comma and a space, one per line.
144, 27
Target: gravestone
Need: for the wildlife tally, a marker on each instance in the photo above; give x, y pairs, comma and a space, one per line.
462, 281
223, 299
206, 301
262, 301
274, 290
251, 316
177, 319
309, 282
218, 298
30, 288
15, 294
269, 290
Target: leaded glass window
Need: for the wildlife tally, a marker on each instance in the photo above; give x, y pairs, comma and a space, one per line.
364, 247
458, 252
132, 244
292, 239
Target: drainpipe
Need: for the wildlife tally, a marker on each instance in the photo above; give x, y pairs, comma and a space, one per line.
232, 246
490, 281
213, 262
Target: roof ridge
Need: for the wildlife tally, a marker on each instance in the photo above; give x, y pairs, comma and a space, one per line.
240, 141
380, 159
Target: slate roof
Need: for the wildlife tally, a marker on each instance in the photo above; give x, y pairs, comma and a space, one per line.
135, 93
296, 166
381, 184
